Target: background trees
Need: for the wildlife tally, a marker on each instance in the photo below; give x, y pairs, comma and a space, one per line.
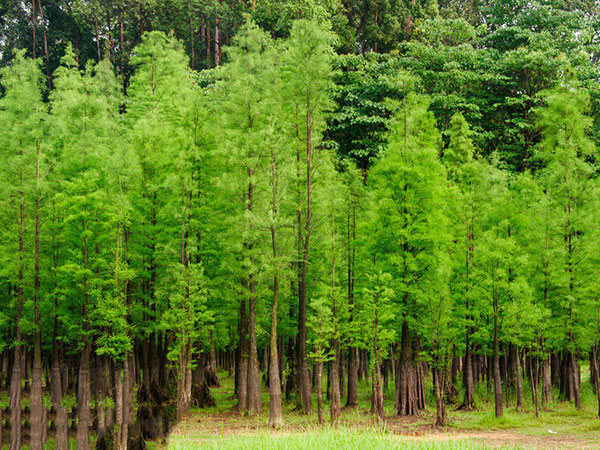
317, 219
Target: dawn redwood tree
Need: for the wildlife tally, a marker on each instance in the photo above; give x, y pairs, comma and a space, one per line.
22, 112
565, 148
83, 116
376, 311
155, 133
247, 118
466, 175
354, 202
408, 197
306, 75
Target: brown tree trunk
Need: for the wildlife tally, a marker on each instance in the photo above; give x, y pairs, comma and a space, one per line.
377, 391
118, 406
15, 396
320, 392
534, 381
352, 399
333, 374
468, 372
101, 394
242, 365
439, 382
497, 377
35, 396
83, 399
212, 375
406, 393
546, 382
15, 382
275, 412
56, 390
519, 378
254, 405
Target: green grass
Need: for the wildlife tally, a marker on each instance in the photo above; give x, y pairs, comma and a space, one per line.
322, 439
559, 426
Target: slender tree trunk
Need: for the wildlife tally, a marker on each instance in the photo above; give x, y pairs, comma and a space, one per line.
242, 365
497, 377
275, 413
440, 404
83, 399
406, 393
33, 23
320, 392
15, 382
46, 54
119, 406
546, 382
335, 408
376, 378
35, 396
304, 230
352, 398
56, 384
533, 380
519, 379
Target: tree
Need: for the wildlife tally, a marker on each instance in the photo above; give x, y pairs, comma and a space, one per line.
23, 113
408, 195
376, 311
247, 84
564, 149
306, 76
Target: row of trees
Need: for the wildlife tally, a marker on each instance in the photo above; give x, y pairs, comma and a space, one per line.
214, 214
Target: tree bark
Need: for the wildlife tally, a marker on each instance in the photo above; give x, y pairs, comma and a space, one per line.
83, 399
35, 396
519, 379
242, 365
406, 393
15, 383
275, 412
497, 377
304, 231
320, 392
546, 382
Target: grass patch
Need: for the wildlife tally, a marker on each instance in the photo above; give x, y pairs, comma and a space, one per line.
323, 439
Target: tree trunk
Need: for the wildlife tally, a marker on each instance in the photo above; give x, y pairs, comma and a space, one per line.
497, 377
254, 405
352, 399
275, 411
37, 408
546, 382
118, 407
242, 365
37, 414
15, 382
320, 392
335, 408
406, 393
15, 398
519, 379
440, 404
468, 372
60, 410
83, 399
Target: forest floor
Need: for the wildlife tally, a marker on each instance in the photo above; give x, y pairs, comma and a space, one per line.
559, 426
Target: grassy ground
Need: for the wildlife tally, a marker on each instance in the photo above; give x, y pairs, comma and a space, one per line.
559, 426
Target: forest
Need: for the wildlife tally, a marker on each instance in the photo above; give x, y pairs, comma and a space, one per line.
327, 202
